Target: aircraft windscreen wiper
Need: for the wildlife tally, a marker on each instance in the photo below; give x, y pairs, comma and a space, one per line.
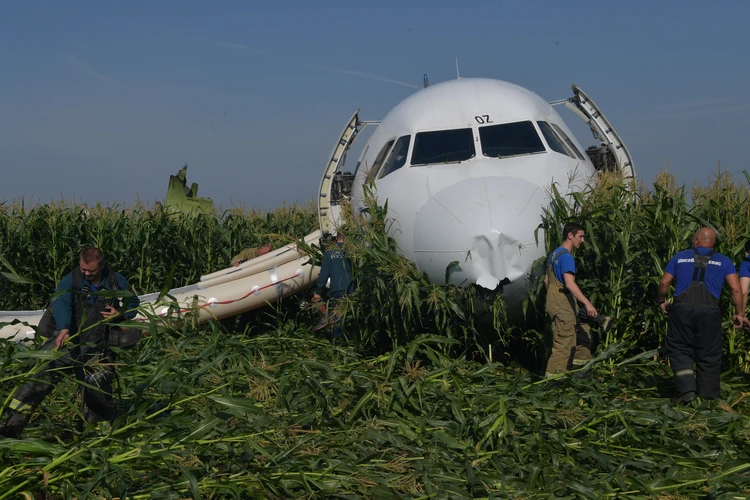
513, 155
443, 158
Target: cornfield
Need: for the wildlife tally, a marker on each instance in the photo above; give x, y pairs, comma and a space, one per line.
150, 245
432, 394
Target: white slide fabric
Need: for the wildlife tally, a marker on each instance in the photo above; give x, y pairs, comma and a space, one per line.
231, 291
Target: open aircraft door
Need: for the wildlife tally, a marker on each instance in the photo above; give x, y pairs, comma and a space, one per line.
329, 210
611, 154
336, 187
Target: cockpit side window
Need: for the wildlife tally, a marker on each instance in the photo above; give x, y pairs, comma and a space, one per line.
567, 141
364, 153
556, 144
510, 139
397, 158
372, 172
443, 146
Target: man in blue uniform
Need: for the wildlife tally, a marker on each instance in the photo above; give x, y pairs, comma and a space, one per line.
571, 337
80, 327
336, 266
694, 335
745, 275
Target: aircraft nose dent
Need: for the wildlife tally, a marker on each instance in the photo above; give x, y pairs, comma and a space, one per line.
496, 256
485, 224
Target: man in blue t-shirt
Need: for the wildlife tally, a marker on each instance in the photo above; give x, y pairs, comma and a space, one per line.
694, 332
745, 275
571, 338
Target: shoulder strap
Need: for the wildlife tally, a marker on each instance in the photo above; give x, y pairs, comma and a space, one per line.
76, 276
701, 262
77, 279
557, 256
112, 283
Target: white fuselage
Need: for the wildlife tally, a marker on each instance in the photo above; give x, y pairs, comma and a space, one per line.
471, 180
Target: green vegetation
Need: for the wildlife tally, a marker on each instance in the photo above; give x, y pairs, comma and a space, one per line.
628, 245
150, 245
434, 395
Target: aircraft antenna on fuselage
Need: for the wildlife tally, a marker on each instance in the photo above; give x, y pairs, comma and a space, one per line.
458, 76
426, 84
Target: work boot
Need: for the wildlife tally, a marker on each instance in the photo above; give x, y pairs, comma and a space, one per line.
323, 319
13, 425
322, 323
684, 398
9, 432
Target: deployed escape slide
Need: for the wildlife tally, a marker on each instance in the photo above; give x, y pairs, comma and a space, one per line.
255, 283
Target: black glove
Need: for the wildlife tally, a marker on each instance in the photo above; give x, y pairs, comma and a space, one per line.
124, 337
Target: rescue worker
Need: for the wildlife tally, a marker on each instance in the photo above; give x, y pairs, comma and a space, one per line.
250, 253
694, 335
80, 326
745, 275
572, 340
336, 266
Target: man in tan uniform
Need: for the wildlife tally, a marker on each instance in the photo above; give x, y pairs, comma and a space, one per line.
250, 253
571, 337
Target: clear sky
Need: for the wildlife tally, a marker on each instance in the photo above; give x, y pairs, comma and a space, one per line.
104, 100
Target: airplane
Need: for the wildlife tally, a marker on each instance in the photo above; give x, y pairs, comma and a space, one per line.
466, 166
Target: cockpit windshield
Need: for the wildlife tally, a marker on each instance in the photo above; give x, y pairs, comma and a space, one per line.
443, 146
510, 139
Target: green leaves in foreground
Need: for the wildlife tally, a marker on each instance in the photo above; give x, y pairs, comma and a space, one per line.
212, 414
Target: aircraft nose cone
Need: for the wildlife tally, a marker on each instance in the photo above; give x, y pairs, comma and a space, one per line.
487, 224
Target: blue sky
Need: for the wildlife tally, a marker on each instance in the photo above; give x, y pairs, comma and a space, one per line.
103, 100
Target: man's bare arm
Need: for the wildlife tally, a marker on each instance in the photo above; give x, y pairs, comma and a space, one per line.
737, 296
661, 294
664, 283
570, 284
745, 287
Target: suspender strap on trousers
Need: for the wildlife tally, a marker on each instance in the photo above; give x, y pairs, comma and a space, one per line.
571, 339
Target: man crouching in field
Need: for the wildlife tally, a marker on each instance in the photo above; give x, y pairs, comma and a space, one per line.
79, 325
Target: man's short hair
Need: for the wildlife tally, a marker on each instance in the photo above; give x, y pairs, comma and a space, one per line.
91, 255
747, 246
571, 227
